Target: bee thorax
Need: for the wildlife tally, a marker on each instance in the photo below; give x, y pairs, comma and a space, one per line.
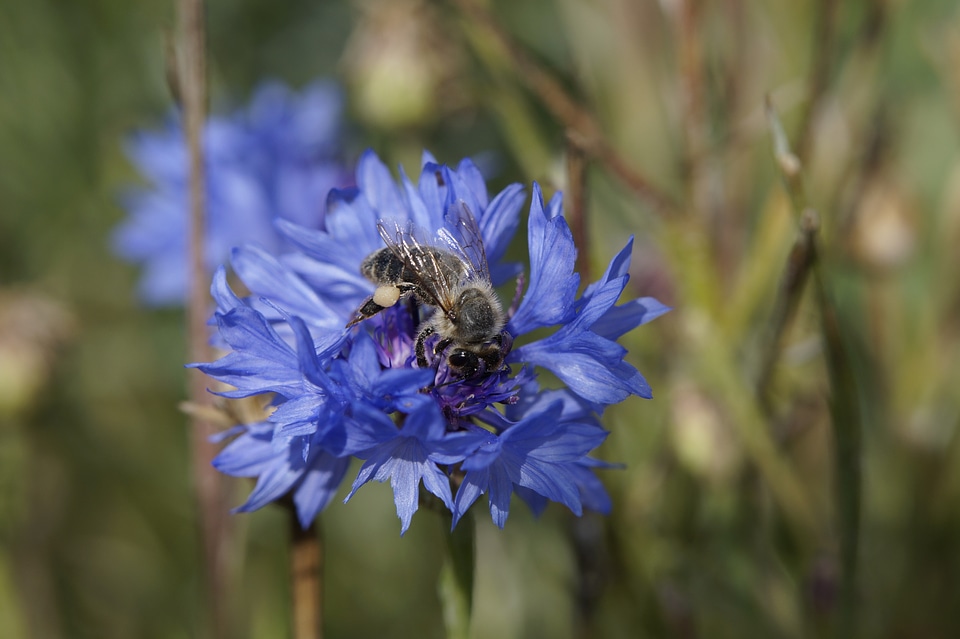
479, 317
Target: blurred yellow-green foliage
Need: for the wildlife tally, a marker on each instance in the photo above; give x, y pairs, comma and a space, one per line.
815, 496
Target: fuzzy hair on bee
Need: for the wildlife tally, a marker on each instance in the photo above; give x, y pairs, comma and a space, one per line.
449, 274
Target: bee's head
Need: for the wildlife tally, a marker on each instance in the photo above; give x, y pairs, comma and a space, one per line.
479, 316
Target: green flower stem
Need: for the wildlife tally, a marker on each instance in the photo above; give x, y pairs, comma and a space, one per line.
455, 584
715, 359
846, 418
844, 387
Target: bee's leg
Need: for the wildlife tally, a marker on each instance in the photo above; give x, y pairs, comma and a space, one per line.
421, 354
492, 359
385, 296
369, 308
441, 345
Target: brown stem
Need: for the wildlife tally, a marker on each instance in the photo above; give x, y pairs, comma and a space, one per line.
582, 127
692, 91
575, 206
306, 584
208, 486
823, 50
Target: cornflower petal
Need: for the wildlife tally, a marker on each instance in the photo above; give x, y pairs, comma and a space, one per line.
621, 319
275, 160
404, 459
457, 189
249, 454
593, 495
352, 220
496, 485
536, 502
275, 482
629, 315
298, 416
337, 257
313, 480
264, 274
590, 365
221, 292
419, 211
386, 389
430, 184
319, 485
540, 453
549, 298
472, 178
572, 356
261, 361
500, 222
377, 186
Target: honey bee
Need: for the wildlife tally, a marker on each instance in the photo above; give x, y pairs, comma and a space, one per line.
453, 278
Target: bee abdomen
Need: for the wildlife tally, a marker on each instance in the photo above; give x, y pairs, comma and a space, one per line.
382, 267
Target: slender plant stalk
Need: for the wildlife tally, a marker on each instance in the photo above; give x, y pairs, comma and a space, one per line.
456, 576
587, 535
581, 125
575, 206
823, 47
845, 412
802, 258
209, 490
689, 43
844, 394
306, 581
799, 264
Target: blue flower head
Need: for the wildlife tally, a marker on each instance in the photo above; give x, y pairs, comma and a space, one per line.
380, 337
275, 159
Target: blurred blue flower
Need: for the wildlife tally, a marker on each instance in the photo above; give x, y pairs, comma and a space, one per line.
363, 391
277, 158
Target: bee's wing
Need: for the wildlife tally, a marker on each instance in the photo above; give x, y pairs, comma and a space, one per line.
462, 237
432, 277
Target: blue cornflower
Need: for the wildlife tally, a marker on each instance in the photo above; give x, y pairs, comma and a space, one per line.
304, 445
415, 417
276, 159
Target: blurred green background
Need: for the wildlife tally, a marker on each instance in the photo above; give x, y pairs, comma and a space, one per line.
815, 496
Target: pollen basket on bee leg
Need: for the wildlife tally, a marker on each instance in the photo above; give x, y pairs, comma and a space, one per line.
386, 296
